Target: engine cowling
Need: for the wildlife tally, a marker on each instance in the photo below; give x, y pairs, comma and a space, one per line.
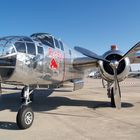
122, 70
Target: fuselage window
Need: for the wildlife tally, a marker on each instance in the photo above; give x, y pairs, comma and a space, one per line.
20, 47
40, 50
56, 43
31, 48
61, 44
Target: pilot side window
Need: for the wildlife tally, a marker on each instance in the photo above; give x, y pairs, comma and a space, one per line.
31, 48
20, 47
40, 50
61, 44
56, 43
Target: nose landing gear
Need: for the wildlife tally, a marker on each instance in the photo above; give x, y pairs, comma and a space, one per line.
25, 115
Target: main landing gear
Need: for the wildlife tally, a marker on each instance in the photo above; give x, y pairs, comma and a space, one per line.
25, 115
110, 94
112, 98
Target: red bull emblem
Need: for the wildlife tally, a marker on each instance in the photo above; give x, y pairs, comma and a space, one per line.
53, 64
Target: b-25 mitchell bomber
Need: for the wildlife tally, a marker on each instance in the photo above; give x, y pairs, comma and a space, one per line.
41, 59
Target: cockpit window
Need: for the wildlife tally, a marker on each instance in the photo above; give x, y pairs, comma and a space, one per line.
31, 48
61, 44
20, 46
27, 39
56, 43
40, 50
46, 40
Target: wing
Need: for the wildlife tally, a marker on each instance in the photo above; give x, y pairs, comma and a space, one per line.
89, 53
85, 63
89, 60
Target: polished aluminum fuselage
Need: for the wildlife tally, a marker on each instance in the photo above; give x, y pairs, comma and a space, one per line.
54, 66
36, 69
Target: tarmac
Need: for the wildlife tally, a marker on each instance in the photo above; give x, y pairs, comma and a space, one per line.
80, 115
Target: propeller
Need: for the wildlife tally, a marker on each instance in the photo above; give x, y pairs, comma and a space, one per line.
90, 54
116, 88
131, 52
114, 64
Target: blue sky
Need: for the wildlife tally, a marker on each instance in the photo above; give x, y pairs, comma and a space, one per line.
93, 24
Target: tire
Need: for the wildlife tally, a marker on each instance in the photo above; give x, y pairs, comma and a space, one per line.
112, 99
25, 117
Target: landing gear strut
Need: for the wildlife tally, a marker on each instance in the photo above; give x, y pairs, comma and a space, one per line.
110, 94
23, 94
25, 115
112, 98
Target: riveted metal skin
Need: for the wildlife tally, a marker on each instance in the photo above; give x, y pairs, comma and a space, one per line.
30, 67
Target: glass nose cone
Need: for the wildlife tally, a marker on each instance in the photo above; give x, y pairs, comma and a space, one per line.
7, 59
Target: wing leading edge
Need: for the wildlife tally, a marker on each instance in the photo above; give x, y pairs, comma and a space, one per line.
85, 63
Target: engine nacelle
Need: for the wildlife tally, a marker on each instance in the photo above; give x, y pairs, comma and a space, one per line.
122, 70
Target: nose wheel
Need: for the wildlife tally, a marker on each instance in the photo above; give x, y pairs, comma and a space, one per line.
25, 115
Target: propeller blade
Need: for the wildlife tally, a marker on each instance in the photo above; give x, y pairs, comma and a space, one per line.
116, 90
132, 51
90, 54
